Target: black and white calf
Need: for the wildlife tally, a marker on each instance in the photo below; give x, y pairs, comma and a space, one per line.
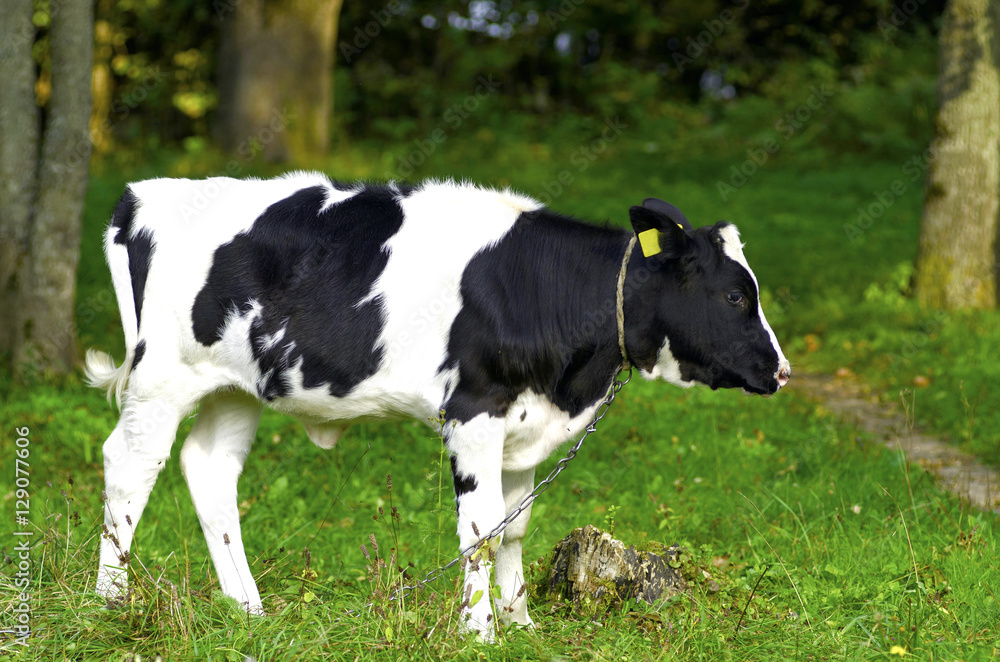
336, 302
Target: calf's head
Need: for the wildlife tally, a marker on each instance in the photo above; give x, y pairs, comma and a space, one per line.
701, 306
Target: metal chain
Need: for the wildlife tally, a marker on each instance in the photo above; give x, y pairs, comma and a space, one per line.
543, 485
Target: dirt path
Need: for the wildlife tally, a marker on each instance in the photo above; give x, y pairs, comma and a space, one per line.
956, 471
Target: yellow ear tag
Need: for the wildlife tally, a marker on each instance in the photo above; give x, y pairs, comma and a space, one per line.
649, 240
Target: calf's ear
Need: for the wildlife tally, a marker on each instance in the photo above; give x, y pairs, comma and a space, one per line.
658, 234
668, 210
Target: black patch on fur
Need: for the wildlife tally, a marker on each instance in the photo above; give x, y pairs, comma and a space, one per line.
538, 312
140, 350
123, 214
307, 270
463, 483
139, 247
140, 255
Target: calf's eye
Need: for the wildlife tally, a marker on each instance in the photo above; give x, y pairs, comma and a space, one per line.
735, 298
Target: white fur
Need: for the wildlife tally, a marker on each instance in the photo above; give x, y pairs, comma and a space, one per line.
100, 370
733, 248
479, 511
544, 427
212, 458
667, 368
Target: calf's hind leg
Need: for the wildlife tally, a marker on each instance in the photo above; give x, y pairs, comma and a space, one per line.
212, 458
135, 452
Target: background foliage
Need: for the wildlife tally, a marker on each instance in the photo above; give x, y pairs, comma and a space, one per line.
401, 66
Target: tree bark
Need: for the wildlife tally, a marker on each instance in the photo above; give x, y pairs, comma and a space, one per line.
18, 150
957, 260
44, 335
275, 78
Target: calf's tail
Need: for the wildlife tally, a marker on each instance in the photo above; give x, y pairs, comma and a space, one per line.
101, 372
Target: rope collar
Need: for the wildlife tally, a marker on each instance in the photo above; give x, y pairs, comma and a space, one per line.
620, 303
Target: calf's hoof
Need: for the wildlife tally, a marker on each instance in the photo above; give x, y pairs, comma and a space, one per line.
111, 584
480, 626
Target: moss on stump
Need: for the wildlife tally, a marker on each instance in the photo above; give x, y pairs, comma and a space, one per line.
598, 572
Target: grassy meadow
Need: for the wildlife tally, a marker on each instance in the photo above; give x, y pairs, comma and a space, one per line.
804, 538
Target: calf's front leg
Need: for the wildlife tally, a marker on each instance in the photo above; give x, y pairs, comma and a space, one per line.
513, 604
476, 449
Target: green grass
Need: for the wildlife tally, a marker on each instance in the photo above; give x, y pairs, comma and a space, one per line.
859, 550
805, 538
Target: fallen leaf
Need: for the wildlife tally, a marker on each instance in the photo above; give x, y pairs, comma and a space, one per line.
812, 342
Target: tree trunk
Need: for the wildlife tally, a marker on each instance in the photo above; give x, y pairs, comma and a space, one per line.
18, 151
44, 334
956, 264
275, 78
598, 573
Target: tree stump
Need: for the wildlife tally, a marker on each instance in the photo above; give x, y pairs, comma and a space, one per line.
597, 572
